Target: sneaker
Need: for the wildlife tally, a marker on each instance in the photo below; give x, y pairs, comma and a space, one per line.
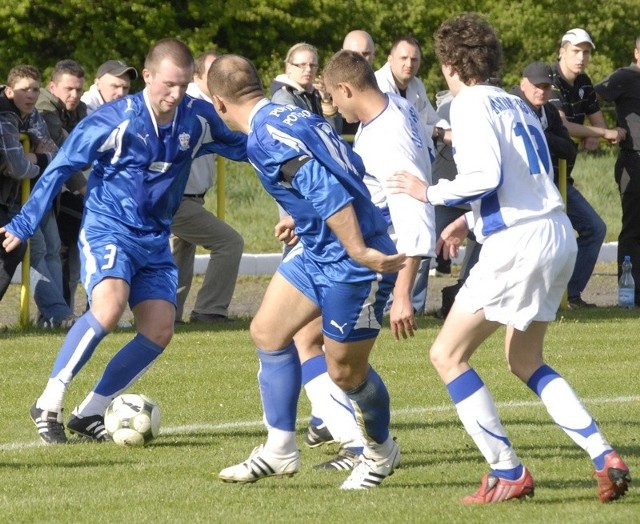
370, 471
613, 479
497, 489
578, 303
49, 424
346, 460
207, 318
260, 464
317, 436
91, 427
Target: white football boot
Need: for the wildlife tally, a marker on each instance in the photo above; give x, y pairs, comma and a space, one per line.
374, 466
260, 464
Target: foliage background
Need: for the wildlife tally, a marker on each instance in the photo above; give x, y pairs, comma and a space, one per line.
92, 31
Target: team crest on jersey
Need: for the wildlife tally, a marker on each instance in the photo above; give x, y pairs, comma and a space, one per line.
184, 141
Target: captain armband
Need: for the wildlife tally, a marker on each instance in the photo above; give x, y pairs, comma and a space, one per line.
289, 169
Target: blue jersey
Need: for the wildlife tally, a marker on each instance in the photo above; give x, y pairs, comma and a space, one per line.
330, 177
138, 169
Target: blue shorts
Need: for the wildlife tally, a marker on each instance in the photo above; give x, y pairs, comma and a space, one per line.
110, 250
351, 311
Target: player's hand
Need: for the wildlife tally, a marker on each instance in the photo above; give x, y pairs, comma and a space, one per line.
451, 237
379, 262
402, 319
404, 182
10, 241
621, 134
285, 231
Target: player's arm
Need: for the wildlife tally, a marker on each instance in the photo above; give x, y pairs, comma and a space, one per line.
344, 225
402, 318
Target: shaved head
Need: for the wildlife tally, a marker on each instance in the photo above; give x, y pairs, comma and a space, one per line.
234, 78
360, 42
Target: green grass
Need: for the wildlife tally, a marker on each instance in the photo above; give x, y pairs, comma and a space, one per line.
206, 386
253, 213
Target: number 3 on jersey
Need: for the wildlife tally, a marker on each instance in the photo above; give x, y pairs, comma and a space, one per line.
109, 256
536, 153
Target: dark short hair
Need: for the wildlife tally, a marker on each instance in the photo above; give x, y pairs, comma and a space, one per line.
352, 67
66, 67
405, 38
469, 44
22, 71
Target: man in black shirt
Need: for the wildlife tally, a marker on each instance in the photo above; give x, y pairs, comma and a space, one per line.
623, 88
575, 98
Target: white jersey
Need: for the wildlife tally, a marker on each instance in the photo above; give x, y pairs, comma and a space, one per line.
396, 140
504, 165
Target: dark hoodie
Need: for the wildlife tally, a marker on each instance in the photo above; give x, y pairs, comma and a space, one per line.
14, 166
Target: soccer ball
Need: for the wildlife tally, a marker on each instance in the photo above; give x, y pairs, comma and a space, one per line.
132, 420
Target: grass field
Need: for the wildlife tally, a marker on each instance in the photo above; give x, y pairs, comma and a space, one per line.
206, 386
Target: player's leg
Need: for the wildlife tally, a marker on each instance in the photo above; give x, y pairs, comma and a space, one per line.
461, 335
352, 316
105, 270
332, 417
152, 301
524, 354
283, 312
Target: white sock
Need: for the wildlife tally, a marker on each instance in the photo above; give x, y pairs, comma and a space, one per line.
478, 414
330, 404
53, 395
569, 413
93, 404
281, 442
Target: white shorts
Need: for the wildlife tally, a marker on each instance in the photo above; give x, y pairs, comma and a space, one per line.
522, 272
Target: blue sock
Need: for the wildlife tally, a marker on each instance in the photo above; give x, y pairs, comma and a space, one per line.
127, 365
312, 368
280, 378
78, 346
509, 474
370, 401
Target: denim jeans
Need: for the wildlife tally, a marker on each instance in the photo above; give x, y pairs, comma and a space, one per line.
591, 231
46, 271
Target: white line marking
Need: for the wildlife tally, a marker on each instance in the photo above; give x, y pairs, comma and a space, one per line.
194, 428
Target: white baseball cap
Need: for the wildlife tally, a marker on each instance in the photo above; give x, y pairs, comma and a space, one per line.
578, 36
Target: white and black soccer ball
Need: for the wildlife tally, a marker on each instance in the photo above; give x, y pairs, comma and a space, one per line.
132, 420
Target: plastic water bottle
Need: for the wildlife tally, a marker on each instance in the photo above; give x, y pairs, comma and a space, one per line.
626, 286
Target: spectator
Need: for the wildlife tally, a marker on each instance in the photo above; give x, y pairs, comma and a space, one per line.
622, 88
575, 98
113, 81
296, 86
360, 42
398, 76
18, 115
62, 109
140, 149
193, 225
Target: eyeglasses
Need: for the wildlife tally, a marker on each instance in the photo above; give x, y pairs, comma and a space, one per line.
305, 65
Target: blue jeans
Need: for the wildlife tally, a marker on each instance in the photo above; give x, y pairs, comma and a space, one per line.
46, 271
591, 231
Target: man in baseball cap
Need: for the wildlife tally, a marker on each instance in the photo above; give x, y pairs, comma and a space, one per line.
576, 37
538, 73
113, 81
